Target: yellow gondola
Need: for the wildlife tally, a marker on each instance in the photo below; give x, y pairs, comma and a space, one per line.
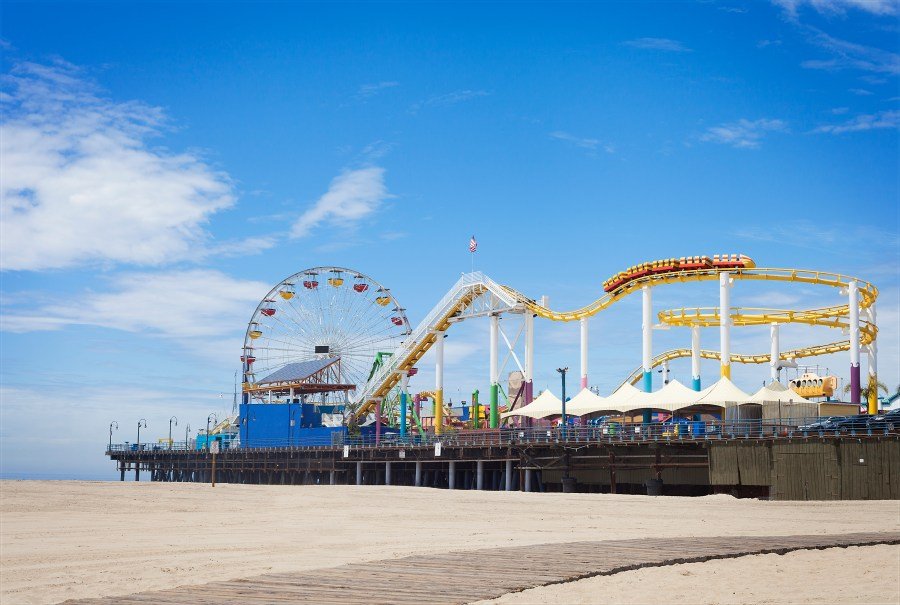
383, 300
336, 281
254, 334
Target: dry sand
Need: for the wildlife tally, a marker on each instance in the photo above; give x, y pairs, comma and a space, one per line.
62, 540
869, 574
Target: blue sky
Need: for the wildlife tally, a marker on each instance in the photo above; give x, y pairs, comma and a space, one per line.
164, 164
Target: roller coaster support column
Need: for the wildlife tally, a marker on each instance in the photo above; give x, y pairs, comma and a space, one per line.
873, 367
584, 352
854, 342
647, 341
378, 421
775, 353
695, 357
725, 323
495, 371
438, 382
647, 348
529, 361
404, 387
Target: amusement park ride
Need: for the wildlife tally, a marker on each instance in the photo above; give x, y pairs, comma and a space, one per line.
334, 343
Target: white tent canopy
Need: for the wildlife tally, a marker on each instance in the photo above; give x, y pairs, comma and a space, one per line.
545, 404
585, 402
673, 396
723, 394
775, 392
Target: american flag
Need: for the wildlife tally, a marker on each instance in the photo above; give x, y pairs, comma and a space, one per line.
473, 245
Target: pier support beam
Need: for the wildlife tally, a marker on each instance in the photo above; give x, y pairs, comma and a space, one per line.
509, 475
451, 477
332, 479
137, 471
725, 324
387, 473
495, 372
359, 473
479, 475
438, 382
528, 474
853, 292
695, 357
418, 474
584, 352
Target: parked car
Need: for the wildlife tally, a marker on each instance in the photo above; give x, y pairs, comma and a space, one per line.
889, 421
828, 423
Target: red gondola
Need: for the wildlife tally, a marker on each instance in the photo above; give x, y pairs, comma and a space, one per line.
268, 311
311, 284
360, 287
397, 321
249, 359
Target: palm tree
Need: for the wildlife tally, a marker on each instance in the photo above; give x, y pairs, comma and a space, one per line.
865, 390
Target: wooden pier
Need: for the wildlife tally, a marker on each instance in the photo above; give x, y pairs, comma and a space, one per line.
794, 468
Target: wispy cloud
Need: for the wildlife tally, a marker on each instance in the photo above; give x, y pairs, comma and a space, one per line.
450, 98
849, 55
839, 7
352, 196
181, 305
743, 134
584, 143
876, 121
82, 183
806, 234
768, 43
665, 44
860, 92
367, 91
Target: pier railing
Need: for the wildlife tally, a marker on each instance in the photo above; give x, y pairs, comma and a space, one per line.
609, 433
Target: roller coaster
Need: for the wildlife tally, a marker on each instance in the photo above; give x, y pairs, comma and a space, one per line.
476, 294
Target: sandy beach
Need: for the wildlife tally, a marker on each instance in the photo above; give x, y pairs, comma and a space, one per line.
61, 540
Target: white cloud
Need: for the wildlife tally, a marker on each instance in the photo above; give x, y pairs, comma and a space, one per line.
665, 44
743, 134
180, 305
849, 55
860, 92
876, 121
584, 143
840, 7
370, 90
81, 182
450, 98
352, 196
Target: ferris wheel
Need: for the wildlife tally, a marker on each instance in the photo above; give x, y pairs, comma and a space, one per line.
322, 314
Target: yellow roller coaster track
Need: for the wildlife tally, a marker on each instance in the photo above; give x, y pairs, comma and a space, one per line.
830, 316
867, 292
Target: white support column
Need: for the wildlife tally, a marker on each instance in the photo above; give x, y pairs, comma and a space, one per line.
331, 478
665, 372
359, 473
387, 473
528, 480
695, 357
854, 342
774, 353
495, 372
479, 475
451, 475
529, 357
509, 478
584, 352
725, 324
418, 474
647, 337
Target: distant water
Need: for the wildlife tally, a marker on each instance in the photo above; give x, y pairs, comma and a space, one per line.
12, 476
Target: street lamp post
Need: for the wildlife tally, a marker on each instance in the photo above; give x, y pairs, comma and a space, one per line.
111, 425
208, 420
139, 432
170, 429
562, 373
187, 438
